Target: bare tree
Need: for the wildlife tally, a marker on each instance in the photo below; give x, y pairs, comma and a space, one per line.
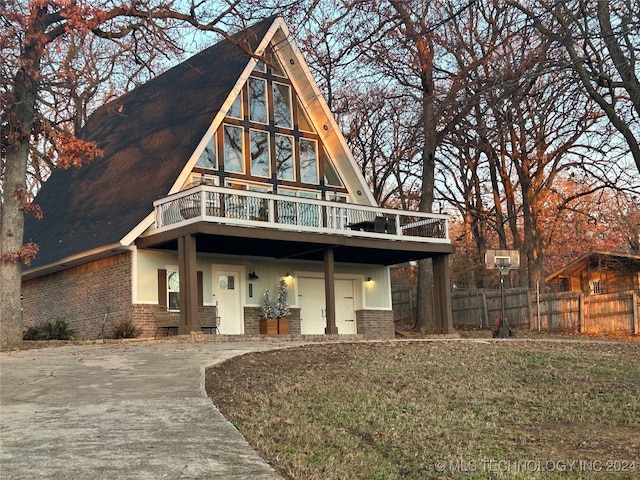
379, 128
601, 40
419, 31
582, 215
530, 127
47, 46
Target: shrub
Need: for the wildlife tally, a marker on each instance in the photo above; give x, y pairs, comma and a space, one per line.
31, 333
126, 329
49, 331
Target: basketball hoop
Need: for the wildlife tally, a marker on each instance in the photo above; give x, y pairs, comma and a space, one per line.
504, 261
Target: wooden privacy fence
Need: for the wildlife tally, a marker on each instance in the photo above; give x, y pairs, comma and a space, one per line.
613, 312
481, 308
566, 311
470, 307
403, 299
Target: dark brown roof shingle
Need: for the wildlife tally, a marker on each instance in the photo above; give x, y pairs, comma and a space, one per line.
147, 136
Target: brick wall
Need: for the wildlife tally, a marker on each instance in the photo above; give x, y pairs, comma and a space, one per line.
252, 317
375, 323
82, 296
252, 320
143, 318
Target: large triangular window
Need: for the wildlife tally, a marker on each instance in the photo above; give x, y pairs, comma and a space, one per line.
268, 137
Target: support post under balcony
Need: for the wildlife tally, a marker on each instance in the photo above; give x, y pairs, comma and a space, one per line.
188, 285
330, 292
442, 294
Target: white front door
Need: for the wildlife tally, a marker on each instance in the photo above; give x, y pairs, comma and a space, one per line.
227, 292
345, 307
312, 306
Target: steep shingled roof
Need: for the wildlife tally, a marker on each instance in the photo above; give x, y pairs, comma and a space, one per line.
147, 136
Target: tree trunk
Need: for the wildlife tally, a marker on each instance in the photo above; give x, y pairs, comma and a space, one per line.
19, 125
426, 321
422, 40
11, 243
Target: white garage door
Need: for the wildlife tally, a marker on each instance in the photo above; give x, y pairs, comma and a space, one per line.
312, 306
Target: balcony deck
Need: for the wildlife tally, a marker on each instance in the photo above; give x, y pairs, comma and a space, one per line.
226, 206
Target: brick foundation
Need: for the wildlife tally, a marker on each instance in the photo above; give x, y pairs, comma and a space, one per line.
375, 324
252, 317
143, 318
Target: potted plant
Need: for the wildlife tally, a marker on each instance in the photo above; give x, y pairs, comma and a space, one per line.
274, 312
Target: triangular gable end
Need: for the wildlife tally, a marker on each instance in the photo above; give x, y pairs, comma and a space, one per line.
320, 115
314, 109
279, 40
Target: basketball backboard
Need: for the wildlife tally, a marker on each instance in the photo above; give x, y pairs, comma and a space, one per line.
503, 260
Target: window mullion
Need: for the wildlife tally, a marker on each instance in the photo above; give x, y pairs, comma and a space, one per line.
269, 100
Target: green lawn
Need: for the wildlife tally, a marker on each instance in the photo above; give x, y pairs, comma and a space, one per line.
462, 409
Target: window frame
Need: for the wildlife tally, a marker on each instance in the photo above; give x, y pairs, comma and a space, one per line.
300, 161
212, 141
301, 113
260, 66
238, 99
306, 166
171, 270
274, 88
242, 148
267, 152
264, 82
292, 157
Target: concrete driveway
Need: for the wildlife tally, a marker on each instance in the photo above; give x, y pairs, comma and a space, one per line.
120, 411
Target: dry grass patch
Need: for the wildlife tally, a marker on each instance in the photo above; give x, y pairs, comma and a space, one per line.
394, 410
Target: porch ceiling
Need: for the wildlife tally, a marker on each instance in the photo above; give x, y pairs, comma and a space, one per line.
266, 242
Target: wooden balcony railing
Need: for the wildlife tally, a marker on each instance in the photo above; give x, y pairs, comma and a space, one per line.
256, 209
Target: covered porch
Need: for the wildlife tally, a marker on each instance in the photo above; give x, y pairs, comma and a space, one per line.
223, 221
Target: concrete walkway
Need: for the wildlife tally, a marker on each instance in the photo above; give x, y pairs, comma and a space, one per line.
120, 411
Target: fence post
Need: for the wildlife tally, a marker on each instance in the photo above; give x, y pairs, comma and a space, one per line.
529, 309
538, 305
485, 310
635, 314
412, 312
581, 315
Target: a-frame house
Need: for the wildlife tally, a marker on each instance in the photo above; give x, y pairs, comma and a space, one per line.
220, 177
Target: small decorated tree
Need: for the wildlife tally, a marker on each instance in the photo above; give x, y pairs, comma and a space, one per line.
268, 305
282, 308
278, 307
274, 311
